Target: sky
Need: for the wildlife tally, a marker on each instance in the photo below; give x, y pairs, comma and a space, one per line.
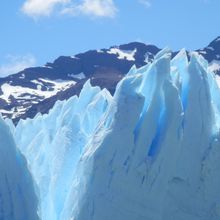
34, 32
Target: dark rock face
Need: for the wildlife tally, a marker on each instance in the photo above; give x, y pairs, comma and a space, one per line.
212, 51
36, 89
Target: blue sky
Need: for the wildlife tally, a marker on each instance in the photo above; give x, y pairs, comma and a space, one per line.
36, 31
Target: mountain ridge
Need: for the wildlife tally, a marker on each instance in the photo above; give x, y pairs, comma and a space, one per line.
36, 89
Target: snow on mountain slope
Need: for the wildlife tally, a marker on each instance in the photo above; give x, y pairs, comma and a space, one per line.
26, 96
129, 55
152, 151
18, 200
37, 89
214, 66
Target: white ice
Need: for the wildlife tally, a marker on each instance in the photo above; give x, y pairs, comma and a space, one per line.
150, 152
18, 199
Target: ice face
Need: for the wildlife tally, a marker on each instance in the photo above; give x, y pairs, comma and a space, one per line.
150, 152
53, 144
18, 200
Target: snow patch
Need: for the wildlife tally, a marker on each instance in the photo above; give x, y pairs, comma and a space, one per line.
78, 76
217, 77
202, 52
214, 66
18, 92
123, 54
210, 48
74, 57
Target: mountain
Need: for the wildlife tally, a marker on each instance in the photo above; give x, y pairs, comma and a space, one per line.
36, 89
151, 151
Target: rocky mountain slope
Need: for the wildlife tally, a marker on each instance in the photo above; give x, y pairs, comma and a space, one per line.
36, 89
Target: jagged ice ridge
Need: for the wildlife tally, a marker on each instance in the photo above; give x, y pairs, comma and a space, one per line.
150, 152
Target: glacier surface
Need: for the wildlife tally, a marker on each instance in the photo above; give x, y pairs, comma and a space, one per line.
18, 199
151, 152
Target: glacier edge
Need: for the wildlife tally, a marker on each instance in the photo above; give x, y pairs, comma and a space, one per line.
152, 151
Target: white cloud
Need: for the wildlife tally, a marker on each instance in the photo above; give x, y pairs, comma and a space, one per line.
37, 8
15, 64
94, 8
146, 3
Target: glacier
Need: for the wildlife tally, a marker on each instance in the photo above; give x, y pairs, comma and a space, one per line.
150, 152
18, 196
